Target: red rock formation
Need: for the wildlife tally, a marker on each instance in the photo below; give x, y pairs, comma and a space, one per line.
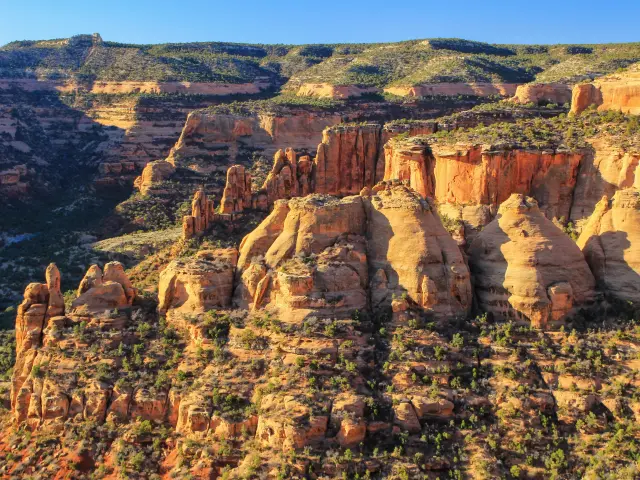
559, 93
526, 269
154, 173
604, 171
198, 285
202, 214
618, 91
454, 89
476, 175
111, 290
611, 244
310, 256
411, 254
237, 191
42, 303
325, 90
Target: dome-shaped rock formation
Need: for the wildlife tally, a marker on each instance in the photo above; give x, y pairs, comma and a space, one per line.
611, 244
526, 269
328, 256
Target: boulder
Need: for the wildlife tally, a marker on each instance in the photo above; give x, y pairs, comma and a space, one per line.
153, 174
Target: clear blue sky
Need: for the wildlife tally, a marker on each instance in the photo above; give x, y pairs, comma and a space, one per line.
323, 21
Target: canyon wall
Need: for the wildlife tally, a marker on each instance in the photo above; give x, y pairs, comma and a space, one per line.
470, 181
619, 91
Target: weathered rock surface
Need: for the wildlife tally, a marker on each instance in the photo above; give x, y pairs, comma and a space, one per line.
411, 254
352, 157
476, 175
153, 174
202, 214
98, 292
319, 254
308, 255
610, 241
526, 269
618, 91
604, 171
199, 284
452, 89
536, 93
237, 191
289, 177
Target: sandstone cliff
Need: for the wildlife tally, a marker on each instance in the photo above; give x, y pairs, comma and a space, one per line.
526, 269
610, 244
619, 91
537, 93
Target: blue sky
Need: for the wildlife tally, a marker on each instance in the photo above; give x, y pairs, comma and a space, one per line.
323, 21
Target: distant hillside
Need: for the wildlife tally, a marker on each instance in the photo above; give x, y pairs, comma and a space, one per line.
88, 57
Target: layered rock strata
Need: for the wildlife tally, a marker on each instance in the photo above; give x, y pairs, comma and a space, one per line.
537, 93
526, 269
323, 256
610, 241
619, 91
39, 399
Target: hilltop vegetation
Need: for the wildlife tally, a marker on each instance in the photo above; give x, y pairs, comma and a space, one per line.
88, 58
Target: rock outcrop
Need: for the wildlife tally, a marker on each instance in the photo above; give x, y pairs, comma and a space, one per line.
237, 191
475, 176
618, 91
199, 284
101, 292
411, 255
537, 93
352, 157
526, 269
605, 170
289, 177
610, 241
320, 255
202, 214
326, 90
154, 173
454, 89
42, 302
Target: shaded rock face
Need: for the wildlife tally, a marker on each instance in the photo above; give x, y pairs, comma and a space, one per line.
289, 177
411, 254
606, 170
308, 255
202, 214
237, 191
42, 400
228, 136
199, 284
526, 269
326, 256
352, 157
619, 91
41, 303
610, 242
559, 93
